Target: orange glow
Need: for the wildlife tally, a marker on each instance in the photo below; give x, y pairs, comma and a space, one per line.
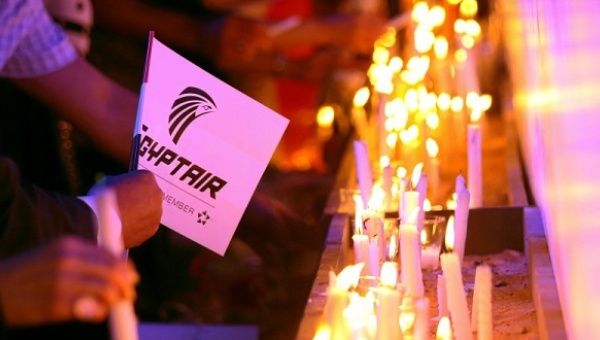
449, 239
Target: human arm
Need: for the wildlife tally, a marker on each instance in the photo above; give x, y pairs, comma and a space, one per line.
82, 95
44, 285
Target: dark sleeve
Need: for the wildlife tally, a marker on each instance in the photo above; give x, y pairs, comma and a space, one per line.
30, 216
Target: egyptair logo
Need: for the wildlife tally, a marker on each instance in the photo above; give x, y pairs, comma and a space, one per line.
191, 104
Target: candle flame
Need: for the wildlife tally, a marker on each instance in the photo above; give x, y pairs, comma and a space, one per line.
449, 238
325, 116
387, 39
468, 8
437, 15
456, 104
467, 41
443, 101
396, 64
407, 320
391, 140
361, 97
440, 47
472, 28
460, 26
424, 237
389, 274
484, 102
401, 172
381, 55
432, 147
475, 115
423, 39
420, 11
411, 99
377, 196
323, 332
472, 99
432, 120
416, 174
393, 247
427, 205
384, 161
348, 277
444, 331
460, 55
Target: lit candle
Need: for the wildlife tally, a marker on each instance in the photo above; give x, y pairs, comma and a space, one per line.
434, 167
359, 116
337, 299
444, 331
323, 332
441, 296
410, 257
422, 190
459, 184
410, 204
122, 318
455, 293
388, 311
481, 312
361, 250
363, 171
460, 222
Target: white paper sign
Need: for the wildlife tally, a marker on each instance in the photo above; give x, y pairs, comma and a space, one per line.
207, 144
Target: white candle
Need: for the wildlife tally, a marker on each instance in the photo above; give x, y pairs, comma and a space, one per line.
388, 311
481, 312
410, 202
433, 168
410, 257
461, 219
402, 185
430, 256
361, 250
422, 319
388, 175
358, 214
363, 171
457, 300
459, 184
422, 190
374, 256
441, 296
122, 318
474, 165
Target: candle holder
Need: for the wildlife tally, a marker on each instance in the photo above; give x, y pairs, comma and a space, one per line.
432, 237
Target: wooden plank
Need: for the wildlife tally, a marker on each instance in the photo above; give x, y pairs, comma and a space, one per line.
543, 283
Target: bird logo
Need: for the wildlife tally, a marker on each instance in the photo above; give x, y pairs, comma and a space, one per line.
191, 104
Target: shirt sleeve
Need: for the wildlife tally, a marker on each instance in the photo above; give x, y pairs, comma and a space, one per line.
31, 44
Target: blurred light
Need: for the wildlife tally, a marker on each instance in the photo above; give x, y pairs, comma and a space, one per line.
443, 101
454, 2
472, 99
472, 28
391, 140
325, 116
420, 11
411, 99
460, 55
440, 47
388, 39
416, 174
460, 26
432, 120
381, 55
384, 161
424, 39
361, 97
432, 147
475, 115
395, 64
484, 102
468, 8
323, 332
457, 104
437, 15
401, 172
449, 238
389, 274
467, 41
444, 331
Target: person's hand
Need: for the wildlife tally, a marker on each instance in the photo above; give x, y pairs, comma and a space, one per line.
140, 205
68, 279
